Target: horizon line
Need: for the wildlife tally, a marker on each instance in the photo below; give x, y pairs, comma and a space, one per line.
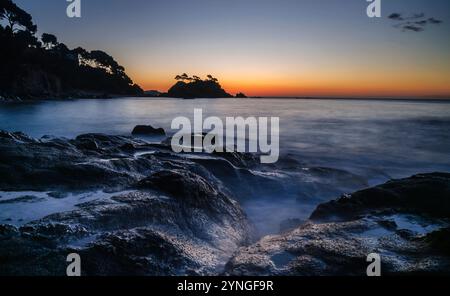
428, 97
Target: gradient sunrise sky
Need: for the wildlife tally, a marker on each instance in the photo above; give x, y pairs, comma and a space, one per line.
264, 47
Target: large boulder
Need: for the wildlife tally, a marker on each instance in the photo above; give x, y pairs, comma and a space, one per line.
148, 130
91, 161
426, 194
169, 216
405, 221
135, 233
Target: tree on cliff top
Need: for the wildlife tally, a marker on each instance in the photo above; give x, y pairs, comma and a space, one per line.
15, 16
195, 87
213, 79
49, 40
183, 77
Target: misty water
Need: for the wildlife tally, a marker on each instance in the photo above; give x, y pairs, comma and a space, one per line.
337, 146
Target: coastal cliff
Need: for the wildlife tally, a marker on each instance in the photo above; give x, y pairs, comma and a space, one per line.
34, 67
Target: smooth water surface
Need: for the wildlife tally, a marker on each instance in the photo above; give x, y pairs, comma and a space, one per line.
373, 139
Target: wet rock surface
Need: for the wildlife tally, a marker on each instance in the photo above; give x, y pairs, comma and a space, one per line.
130, 207
169, 221
140, 232
421, 194
405, 221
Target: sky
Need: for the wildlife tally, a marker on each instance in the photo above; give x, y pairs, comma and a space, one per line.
264, 47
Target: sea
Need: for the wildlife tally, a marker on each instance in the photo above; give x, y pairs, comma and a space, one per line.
338, 145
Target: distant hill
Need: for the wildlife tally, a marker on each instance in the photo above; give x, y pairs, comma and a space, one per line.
194, 87
152, 93
241, 96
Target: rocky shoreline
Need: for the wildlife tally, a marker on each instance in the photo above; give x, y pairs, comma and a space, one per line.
171, 214
56, 97
405, 221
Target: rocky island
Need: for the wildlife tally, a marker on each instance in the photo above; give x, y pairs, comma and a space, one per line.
194, 87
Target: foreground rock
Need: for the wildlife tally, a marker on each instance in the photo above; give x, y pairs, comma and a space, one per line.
94, 161
87, 162
136, 233
144, 210
421, 194
114, 163
168, 218
405, 221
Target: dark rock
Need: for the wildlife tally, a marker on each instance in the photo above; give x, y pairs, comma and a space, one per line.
8, 231
185, 186
242, 160
22, 199
148, 130
17, 136
290, 224
439, 240
136, 233
57, 194
427, 194
357, 226
87, 162
87, 144
111, 163
388, 224
52, 231
197, 89
143, 251
176, 216
178, 223
193, 138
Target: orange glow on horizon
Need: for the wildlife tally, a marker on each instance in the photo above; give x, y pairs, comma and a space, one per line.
329, 72
362, 86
